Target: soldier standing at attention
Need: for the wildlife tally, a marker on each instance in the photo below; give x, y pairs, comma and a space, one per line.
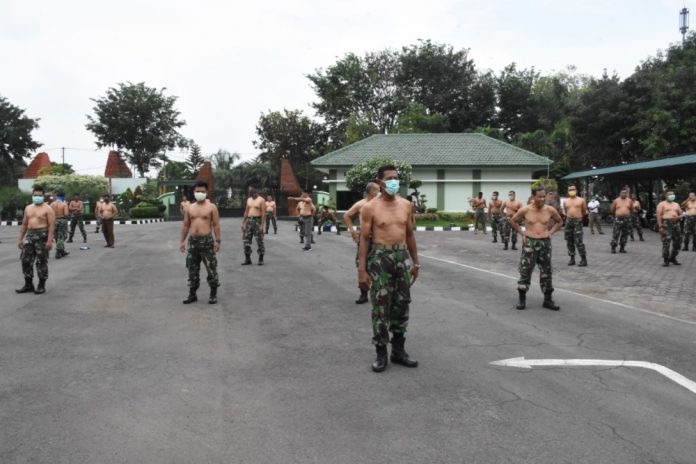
690, 221
201, 219
621, 209
635, 218
107, 212
371, 190
271, 215
479, 204
36, 241
593, 207
494, 209
668, 215
575, 209
307, 211
75, 208
253, 224
96, 214
383, 268
509, 208
536, 246
60, 210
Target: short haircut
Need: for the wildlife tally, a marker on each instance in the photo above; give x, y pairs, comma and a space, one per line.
538, 189
38, 188
385, 168
668, 191
480, 193
495, 193
372, 187
201, 183
572, 186
511, 191
76, 194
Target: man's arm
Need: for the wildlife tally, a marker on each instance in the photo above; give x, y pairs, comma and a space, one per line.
262, 207
348, 220
366, 228
658, 215
412, 248
585, 210
275, 209
515, 221
184, 231
557, 221
216, 228
23, 230
246, 215
613, 208
51, 218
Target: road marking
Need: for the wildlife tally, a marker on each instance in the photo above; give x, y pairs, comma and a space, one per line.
530, 363
623, 305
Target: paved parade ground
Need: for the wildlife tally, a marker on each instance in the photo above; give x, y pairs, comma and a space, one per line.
109, 367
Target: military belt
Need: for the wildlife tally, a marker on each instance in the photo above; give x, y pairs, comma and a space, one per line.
381, 246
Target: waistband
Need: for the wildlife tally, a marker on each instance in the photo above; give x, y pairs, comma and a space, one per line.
307, 216
623, 217
670, 220
37, 231
62, 218
539, 239
201, 239
573, 219
380, 246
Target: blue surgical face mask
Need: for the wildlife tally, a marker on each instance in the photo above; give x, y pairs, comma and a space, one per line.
392, 186
672, 197
37, 199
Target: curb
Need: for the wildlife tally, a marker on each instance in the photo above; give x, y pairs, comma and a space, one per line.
93, 222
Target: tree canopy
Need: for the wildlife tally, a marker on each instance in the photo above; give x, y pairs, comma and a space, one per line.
16, 141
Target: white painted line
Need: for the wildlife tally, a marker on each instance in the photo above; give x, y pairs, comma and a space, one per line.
530, 363
623, 305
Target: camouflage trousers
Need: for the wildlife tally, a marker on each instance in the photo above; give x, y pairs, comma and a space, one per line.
622, 229
61, 233
200, 249
496, 225
672, 236
271, 218
390, 293
635, 224
35, 250
480, 220
76, 221
507, 231
689, 230
536, 251
573, 235
300, 224
253, 228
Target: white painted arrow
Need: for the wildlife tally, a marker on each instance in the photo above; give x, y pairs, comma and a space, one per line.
530, 363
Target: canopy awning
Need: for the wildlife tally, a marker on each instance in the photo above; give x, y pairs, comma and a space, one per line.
675, 166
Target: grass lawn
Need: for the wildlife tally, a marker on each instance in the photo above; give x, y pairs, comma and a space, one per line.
441, 224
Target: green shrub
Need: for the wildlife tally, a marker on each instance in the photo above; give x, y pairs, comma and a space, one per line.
12, 202
431, 210
426, 217
455, 217
140, 212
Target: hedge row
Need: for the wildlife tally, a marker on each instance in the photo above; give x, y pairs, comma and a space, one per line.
143, 212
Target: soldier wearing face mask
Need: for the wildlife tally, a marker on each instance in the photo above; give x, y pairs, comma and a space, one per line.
36, 241
107, 212
510, 207
494, 208
253, 224
668, 214
575, 209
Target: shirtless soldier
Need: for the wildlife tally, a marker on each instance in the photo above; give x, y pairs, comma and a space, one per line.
383, 268
200, 220
36, 241
621, 209
61, 212
184, 204
271, 215
76, 206
536, 246
479, 204
635, 218
107, 212
509, 208
307, 211
371, 190
668, 215
690, 221
575, 209
494, 209
253, 224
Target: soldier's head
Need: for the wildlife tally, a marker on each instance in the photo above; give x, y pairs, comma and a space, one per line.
495, 195
670, 196
389, 177
184, 198
624, 194
253, 193
372, 189
37, 195
511, 194
572, 190
692, 195
107, 199
76, 197
269, 198
305, 194
538, 197
200, 190
480, 194
634, 197
60, 196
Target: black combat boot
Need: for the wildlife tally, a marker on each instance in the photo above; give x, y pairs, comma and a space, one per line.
495, 239
260, 263
666, 263
338, 230
301, 239
522, 303
28, 286
548, 302
319, 233
514, 245
69, 240
613, 248
247, 261
41, 288
58, 254
398, 353
640, 237
686, 246
191, 296
622, 249
572, 260
380, 363
505, 246
313, 242
633, 239
583, 261
363, 297
693, 246
213, 295
65, 253
674, 261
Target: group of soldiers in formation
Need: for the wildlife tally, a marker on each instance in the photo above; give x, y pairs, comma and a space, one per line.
43, 222
387, 256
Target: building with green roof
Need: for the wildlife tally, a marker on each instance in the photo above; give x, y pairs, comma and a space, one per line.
452, 167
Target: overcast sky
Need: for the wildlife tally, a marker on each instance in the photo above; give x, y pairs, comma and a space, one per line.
229, 61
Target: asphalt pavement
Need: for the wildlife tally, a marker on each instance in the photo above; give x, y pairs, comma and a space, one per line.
109, 367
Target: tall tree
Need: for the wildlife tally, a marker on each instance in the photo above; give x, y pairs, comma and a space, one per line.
291, 135
516, 111
195, 159
16, 141
139, 121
